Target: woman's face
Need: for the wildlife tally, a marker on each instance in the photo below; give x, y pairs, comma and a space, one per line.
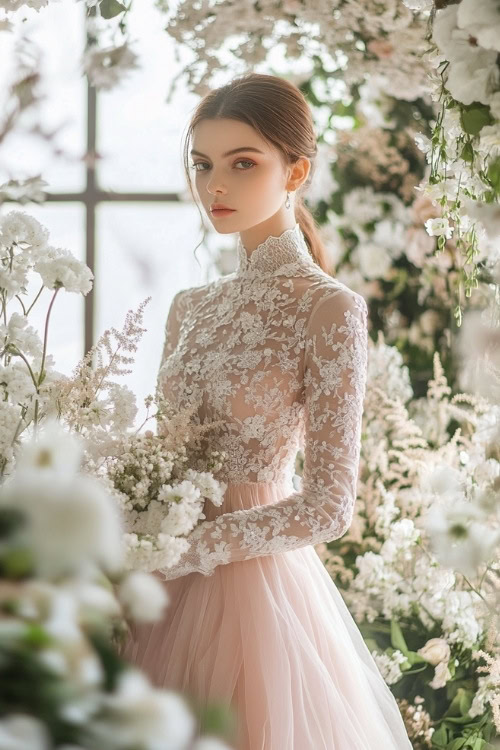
234, 166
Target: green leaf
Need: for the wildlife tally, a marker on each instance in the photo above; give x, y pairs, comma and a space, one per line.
397, 638
440, 736
459, 706
474, 117
457, 743
467, 153
111, 8
494, 174
465, 701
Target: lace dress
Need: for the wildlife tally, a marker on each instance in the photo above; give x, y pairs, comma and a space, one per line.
278, 350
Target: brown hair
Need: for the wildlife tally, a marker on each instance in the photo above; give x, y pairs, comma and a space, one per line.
279, 112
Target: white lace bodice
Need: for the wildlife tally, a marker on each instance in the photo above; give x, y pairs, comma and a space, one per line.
278, 350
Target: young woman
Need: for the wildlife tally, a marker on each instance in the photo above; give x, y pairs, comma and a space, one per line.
278, 350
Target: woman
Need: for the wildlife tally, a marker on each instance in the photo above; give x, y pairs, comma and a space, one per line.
278, 350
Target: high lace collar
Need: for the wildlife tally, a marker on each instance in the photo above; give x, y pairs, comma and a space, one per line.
288, 249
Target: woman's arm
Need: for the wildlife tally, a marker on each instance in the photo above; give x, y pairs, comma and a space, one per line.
336, 348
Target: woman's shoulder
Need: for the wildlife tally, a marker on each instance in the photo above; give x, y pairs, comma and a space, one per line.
192, 294
323, 291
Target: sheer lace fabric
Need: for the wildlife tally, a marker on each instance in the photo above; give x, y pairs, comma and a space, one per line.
278, 350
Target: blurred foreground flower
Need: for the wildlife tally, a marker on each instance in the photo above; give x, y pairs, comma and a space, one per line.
64, 596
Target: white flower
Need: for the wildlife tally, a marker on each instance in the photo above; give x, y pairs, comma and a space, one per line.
122, 407
185, 505
53, 450
472, 71
95, 602
441, 676
459, 618
58, 267
402, 537
143, 595
481, 19
441, 480
24, 337
137, 715
374, 260
458, 538
24, 230
389, 666
473, 79
438, 226
485, 694
23, 732
72, 523
16, 381
10, 415
363, 205
435, 651
390, 234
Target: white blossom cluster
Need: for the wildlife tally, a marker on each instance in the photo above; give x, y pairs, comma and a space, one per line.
25, 389
466, 45
390, 665
24, 243
380, 221
160, 499
392, 52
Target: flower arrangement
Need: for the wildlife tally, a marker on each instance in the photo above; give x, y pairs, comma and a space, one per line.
161, 500
419, 567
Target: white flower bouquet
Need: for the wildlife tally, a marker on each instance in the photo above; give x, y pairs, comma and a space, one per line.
161, 499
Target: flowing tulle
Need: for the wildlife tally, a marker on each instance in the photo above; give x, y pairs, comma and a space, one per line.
272, 638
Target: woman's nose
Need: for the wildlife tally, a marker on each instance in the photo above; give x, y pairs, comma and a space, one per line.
215, 183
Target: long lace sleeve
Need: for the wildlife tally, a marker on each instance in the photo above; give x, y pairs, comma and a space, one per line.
335, 366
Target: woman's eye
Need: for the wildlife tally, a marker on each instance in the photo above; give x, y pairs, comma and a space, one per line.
240, 161
244, 161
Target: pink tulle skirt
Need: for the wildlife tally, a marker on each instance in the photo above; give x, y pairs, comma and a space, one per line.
271, 638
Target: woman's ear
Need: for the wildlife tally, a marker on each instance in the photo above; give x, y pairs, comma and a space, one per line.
299, 173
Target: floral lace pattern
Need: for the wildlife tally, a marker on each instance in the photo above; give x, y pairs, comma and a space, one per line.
278, 350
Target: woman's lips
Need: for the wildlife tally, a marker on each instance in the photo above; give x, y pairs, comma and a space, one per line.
222, 211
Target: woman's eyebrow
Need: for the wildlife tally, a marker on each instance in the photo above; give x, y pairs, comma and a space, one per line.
233, 151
